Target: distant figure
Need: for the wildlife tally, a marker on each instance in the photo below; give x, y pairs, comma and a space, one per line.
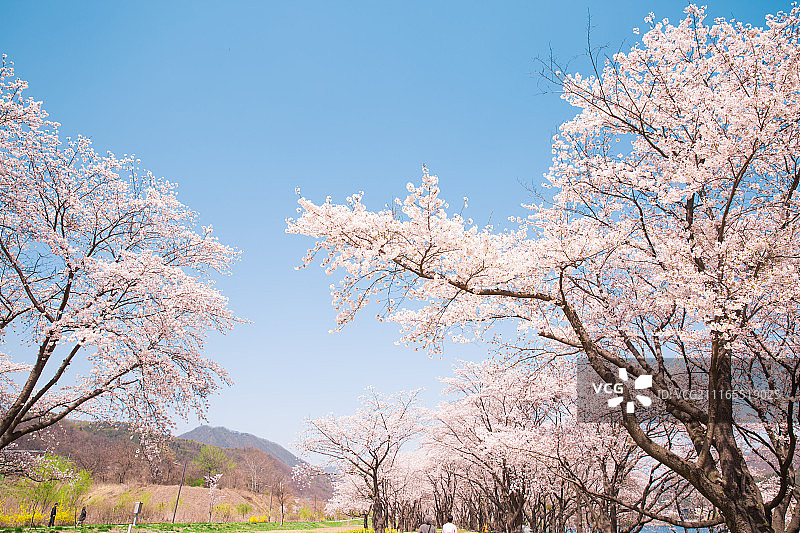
52, 521
427, 525
449, 526
82, 517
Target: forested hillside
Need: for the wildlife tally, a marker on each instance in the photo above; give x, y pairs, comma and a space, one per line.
112, 454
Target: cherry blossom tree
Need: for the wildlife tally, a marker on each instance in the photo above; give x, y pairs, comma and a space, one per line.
212, 482
408, 490
672, 233
446, 473
617, 487
510, 432
366, 443
304, 473
106, 283
351, 496
505, 450
495, 407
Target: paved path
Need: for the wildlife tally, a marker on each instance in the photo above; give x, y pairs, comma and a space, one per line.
355, 525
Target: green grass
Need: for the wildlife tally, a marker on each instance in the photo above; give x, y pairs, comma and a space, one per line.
228, 527
239, 526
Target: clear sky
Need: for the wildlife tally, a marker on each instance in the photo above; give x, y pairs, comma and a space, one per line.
241, 102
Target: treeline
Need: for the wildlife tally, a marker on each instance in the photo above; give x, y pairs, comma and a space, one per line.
113, 454
52, 482
107, 469
501, 453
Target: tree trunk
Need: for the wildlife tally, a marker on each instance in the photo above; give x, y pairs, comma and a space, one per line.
726, 483
602, 522
518, 516
378, 517
269, 513
745, 513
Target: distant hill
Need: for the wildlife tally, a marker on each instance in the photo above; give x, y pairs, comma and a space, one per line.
226, 438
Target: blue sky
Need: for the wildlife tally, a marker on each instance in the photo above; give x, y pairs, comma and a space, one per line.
241, 102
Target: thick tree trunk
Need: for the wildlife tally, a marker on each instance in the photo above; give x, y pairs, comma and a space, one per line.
514, 518
726, 483
378, 517
749, 519
779, 513
746, 512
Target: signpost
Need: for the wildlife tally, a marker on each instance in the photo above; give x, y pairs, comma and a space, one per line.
136, 508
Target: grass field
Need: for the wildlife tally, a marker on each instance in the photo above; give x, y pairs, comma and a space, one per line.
228, 527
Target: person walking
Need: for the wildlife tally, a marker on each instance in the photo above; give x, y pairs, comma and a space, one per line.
449, 526
427, 525
82, 516
52, 521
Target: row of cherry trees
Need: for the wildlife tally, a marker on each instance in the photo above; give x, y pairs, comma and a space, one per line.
502, 451
673, 232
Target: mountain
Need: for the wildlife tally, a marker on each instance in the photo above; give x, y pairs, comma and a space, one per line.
226, 438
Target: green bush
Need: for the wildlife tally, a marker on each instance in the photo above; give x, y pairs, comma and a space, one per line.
243, 509
223, 511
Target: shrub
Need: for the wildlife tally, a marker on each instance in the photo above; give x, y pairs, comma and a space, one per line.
243, 509
223, 511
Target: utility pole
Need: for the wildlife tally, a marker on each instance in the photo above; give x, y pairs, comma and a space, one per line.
179, 492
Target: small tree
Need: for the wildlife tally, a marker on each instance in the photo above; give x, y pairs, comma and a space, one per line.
224, 511
213, 461
243, 509
282, 495
211, 482
366, 443
256, 467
